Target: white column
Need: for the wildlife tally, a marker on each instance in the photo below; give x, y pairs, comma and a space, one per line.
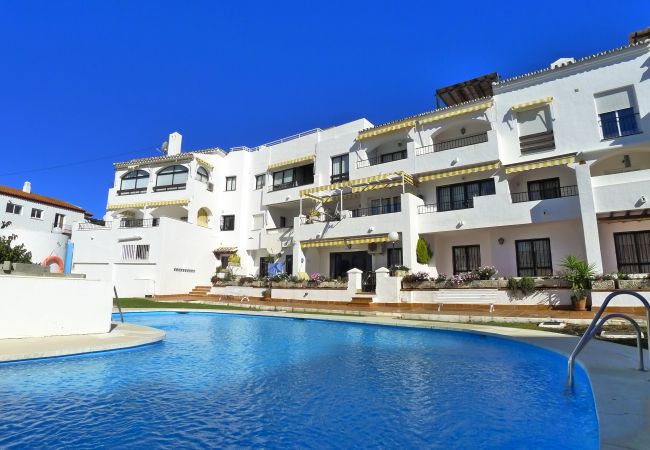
588, 214
299, 260
354, 280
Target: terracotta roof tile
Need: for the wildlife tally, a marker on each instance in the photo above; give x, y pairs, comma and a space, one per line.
37, 198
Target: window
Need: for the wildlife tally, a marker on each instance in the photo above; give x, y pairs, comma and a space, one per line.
202, 174
461, 196
633, 251
259, 181
543, 189
134, 182
297, 176
466, 258
264, 266
616, 113
231, 183
535, 129
135, 252
283, 222
258, 221
227, 223
385, 205
288, 264
14, 208
534, 258
37, 213
224, 261
58, 220
340, 168
171, 178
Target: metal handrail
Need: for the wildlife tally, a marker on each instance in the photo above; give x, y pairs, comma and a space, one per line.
382, 159
450, 144
596, 324
544, 194
116, 300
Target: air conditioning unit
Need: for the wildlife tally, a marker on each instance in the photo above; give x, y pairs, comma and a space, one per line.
210, 187
346, 214
376, 248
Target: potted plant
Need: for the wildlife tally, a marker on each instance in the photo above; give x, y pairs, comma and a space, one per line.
312, 215
579, 273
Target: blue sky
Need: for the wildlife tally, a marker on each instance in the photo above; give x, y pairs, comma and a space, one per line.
87, 83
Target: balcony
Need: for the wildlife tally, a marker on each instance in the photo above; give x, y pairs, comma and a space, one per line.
340, 177
446, 206
626, 191
170, 187
559, 192
453, 143
288, 185
382, 159
89, 226
377, 210
537, 142
620, 126
141, 190
139, 223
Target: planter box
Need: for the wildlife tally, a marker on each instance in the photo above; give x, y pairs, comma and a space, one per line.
255, 284
482, 284
552, 283
634, 285
421, 285
603, 285
333, 285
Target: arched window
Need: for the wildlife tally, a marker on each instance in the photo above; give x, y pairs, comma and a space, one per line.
171, 178
203, 217
134, 182
202, 175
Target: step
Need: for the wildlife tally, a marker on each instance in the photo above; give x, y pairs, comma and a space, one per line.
361, 301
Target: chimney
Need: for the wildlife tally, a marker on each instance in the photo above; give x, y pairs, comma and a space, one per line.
562, 62
27, 187
174, 145
639, 36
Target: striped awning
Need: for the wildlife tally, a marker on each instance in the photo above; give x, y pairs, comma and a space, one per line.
290, 162
456, 172
343, 242
532, 104
457, 112
204, 163
373, 187
540, 164
330, 198
147, 204
359, 182
385, 129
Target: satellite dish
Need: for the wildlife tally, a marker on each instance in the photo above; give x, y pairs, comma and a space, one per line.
163, 147
273, 248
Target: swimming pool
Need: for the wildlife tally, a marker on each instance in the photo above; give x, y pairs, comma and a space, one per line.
241, 381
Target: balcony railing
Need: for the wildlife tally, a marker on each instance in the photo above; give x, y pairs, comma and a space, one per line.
619, 126
446, 206
544, 194
139, 223
382, 159
340, 177
289, 185
170, 187
132, 191
87, 226
453, 143
536, 142
376, 210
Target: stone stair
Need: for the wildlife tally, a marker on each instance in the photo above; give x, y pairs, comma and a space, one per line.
200, 291
362, 299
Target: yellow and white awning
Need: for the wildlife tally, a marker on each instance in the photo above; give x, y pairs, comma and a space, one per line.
532, 104
386, 129
290, 162
540, 164
366, 181
343, 242
456, 172
204, 163
147, 205
374, 187
457, 112
330, 198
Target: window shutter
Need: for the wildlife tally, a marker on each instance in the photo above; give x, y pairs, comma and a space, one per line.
614, 100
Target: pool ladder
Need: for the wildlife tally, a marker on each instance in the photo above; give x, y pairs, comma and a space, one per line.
597, 323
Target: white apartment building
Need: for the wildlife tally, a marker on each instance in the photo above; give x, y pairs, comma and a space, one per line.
516, 173
43, 224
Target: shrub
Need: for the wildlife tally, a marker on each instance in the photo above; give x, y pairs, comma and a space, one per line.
316, 277
416, 277
525, 284
579, 273
622, 276
244, 280
280, 277
423, 251
215, 279
486, 272
463, 278
15, 254
441, 278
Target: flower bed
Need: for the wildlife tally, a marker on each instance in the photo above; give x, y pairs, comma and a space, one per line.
642, 284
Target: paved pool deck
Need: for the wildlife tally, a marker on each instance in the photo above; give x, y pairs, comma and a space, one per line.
121, 336
621, 393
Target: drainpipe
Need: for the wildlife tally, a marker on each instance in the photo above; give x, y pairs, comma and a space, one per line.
69, 251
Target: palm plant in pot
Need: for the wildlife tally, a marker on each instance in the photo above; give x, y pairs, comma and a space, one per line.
579, 273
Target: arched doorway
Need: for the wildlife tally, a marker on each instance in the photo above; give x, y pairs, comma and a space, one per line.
203, 217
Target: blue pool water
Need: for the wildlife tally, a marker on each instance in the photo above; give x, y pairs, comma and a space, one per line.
235, 381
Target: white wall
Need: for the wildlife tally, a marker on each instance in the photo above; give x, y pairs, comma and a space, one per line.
57, 306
